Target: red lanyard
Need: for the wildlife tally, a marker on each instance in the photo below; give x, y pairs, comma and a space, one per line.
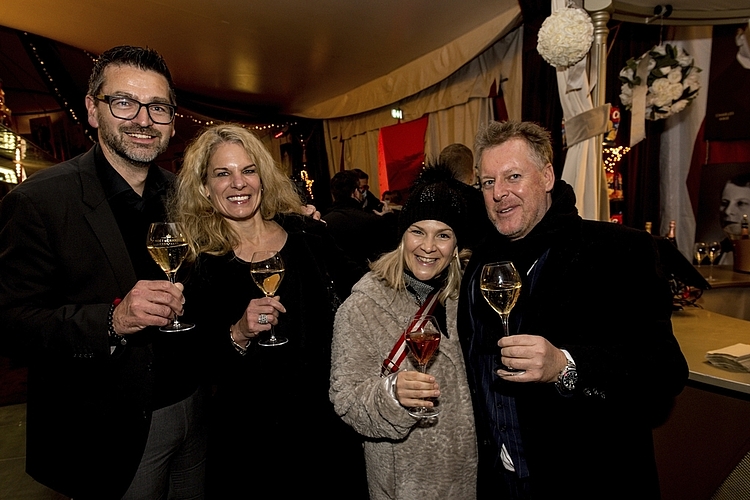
398, 353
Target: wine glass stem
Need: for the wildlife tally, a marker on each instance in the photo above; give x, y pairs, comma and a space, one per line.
504, 318
273, 334
175, 318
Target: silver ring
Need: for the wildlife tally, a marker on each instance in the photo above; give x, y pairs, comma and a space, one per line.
262, 319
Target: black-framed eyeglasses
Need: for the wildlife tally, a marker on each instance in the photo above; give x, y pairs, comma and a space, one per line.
126, 108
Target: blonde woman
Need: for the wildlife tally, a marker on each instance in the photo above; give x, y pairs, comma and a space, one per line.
409, 458
270, 413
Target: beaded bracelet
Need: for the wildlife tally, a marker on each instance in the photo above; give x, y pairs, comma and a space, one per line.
237, 347
114, 337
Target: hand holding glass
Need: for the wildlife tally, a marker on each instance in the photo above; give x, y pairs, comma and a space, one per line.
423, 338
168, 247
501, 285
267, 270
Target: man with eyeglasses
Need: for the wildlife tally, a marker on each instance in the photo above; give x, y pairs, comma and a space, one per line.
114, 406
368, 201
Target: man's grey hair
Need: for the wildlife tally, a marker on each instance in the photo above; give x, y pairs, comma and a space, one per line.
497, 133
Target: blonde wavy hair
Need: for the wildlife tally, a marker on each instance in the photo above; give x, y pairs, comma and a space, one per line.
206, 229
390, 268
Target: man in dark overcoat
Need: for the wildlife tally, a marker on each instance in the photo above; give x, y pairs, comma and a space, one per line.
565, 406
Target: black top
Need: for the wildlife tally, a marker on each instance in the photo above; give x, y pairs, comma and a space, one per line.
271, 413
174, 359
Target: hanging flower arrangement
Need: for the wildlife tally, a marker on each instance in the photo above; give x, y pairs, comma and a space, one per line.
672, 81
565, 37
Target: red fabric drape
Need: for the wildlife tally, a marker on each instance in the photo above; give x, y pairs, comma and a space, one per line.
401, 155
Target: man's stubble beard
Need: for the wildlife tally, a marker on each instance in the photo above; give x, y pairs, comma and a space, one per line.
138, 156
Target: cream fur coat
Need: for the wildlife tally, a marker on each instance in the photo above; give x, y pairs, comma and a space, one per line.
406, 459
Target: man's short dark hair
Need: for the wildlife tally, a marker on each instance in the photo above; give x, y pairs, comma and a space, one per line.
126, 55
343, 185
361, 174
459, 158
741, 180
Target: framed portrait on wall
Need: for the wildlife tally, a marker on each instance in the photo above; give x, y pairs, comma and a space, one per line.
724, 198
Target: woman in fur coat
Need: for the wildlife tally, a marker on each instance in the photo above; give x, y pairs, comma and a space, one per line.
410, 458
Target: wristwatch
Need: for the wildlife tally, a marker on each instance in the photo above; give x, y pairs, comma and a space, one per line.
568, 377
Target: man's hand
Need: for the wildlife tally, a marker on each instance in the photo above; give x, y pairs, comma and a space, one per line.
386, 209
541, 360
148, 303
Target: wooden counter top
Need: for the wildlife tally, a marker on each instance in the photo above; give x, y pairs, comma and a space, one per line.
698, 331
724, 276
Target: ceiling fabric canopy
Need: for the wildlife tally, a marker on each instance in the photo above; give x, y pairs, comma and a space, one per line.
258, 59
419, 74
502, 62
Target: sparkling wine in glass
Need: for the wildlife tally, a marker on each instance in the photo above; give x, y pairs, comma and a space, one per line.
714, 252
700, 251
168, 247
267, 270
501, 285
423, 338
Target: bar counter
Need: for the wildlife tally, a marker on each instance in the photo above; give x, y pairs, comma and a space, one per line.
698, 331
707, 433
729, 293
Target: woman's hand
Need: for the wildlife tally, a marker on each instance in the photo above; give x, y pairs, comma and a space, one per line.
311, 211
259, 316
414, 388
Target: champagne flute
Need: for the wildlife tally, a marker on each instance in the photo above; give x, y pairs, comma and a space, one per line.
501, 285
714, 252
423, 338
168, 247
267, 270
700, 250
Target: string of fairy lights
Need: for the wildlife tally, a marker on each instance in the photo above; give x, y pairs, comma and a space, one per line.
273, 128
613, 156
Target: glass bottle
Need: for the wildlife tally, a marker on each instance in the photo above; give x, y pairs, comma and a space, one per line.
670, 234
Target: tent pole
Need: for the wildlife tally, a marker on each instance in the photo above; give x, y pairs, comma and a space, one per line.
600, 12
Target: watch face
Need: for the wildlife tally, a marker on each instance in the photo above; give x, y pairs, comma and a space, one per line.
569, 379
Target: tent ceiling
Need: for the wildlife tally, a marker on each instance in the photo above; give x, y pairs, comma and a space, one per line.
282, 56
285, 55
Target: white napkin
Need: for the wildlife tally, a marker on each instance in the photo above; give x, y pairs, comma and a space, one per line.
735, 358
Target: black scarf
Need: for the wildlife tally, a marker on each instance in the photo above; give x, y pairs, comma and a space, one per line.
556, 226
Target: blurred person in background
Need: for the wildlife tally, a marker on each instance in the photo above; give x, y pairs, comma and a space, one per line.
369, 202
362, 235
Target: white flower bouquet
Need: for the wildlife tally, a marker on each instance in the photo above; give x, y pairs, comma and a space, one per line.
565, 37
672, 81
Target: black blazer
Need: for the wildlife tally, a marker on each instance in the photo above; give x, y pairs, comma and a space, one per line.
62, 263
601, 295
